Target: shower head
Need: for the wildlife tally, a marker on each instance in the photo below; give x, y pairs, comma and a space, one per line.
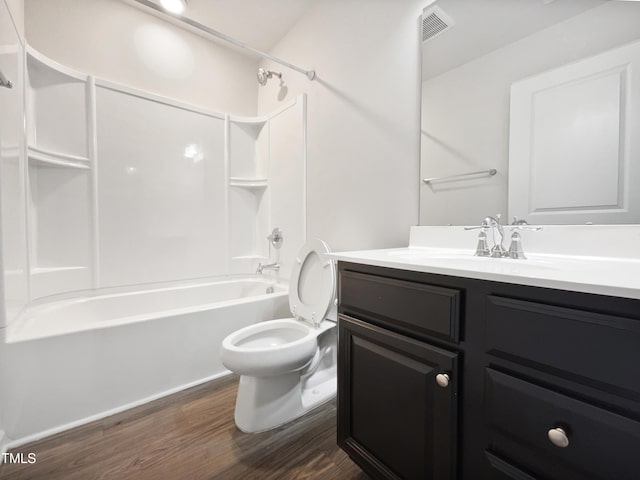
264, 75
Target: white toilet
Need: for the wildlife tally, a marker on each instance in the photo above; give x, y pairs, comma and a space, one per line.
288, 366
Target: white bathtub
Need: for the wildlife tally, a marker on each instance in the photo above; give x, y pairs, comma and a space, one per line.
79, 359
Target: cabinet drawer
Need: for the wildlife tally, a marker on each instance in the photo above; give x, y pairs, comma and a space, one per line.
591, 348
602, 444
410, 306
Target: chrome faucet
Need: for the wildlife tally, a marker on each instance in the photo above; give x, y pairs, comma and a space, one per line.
497, 232
497, 235
267, 266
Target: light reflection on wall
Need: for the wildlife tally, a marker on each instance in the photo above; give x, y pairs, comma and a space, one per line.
194, 152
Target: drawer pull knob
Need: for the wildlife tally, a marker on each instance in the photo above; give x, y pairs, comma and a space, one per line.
558, 437
442, 379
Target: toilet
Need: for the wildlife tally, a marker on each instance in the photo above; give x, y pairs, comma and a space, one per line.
287, 366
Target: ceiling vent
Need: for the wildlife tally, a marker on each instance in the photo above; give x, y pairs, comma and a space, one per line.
434, 22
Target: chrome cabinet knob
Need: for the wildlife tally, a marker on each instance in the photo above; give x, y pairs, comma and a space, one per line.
442, 379
558, 437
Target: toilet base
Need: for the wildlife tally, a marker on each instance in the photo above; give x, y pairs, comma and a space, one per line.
264, 403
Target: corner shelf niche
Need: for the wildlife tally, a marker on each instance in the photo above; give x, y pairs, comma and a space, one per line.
248, 147
56, 106
60, 227
248, 195
60, 177
249, 210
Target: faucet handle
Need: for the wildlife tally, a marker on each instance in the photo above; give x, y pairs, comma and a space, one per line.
276, 238
533, 228
484, 225
523, 225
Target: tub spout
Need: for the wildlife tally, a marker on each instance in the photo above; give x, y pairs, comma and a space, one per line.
267, 266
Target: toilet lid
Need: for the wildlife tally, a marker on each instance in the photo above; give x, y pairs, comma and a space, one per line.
313, 282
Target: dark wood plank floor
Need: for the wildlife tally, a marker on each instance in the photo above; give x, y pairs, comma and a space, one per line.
189, 435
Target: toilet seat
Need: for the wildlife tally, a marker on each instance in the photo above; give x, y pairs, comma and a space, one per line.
312, 285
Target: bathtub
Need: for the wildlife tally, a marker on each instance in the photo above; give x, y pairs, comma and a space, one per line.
75, 360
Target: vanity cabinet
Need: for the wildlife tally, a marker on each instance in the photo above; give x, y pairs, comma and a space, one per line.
398, 391
540, 383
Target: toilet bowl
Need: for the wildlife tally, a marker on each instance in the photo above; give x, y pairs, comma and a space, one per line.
288, 366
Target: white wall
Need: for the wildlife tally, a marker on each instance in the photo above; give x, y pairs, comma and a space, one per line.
115, 41
466, 111
363, 118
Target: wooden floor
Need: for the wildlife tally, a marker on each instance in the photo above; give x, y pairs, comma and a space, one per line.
189, 435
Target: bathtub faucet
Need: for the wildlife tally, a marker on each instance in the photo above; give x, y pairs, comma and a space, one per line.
267, 266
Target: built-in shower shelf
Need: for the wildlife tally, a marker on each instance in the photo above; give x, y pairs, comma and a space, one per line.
248, 182
48, 270
44, 71
49, 158
258, 122
249, 257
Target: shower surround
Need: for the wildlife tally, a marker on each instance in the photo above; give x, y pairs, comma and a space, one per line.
144, 221
150, 189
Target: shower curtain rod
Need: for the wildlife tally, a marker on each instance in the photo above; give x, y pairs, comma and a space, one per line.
311, 74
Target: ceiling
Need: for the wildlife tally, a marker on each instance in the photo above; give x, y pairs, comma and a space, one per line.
258, 23
482, 26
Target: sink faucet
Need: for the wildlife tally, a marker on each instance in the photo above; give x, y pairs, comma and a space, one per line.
267, 266
497, 235
497, 232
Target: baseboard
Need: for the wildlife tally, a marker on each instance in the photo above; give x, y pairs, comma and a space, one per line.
68, 426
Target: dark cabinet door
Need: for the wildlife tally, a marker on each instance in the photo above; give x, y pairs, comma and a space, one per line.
396, 417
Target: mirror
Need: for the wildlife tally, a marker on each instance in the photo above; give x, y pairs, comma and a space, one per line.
540, 93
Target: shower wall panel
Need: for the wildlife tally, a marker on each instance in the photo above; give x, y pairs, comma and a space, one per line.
161, 191
12, 172
287, 172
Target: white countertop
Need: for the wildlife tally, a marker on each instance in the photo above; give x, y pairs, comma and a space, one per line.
616, 275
